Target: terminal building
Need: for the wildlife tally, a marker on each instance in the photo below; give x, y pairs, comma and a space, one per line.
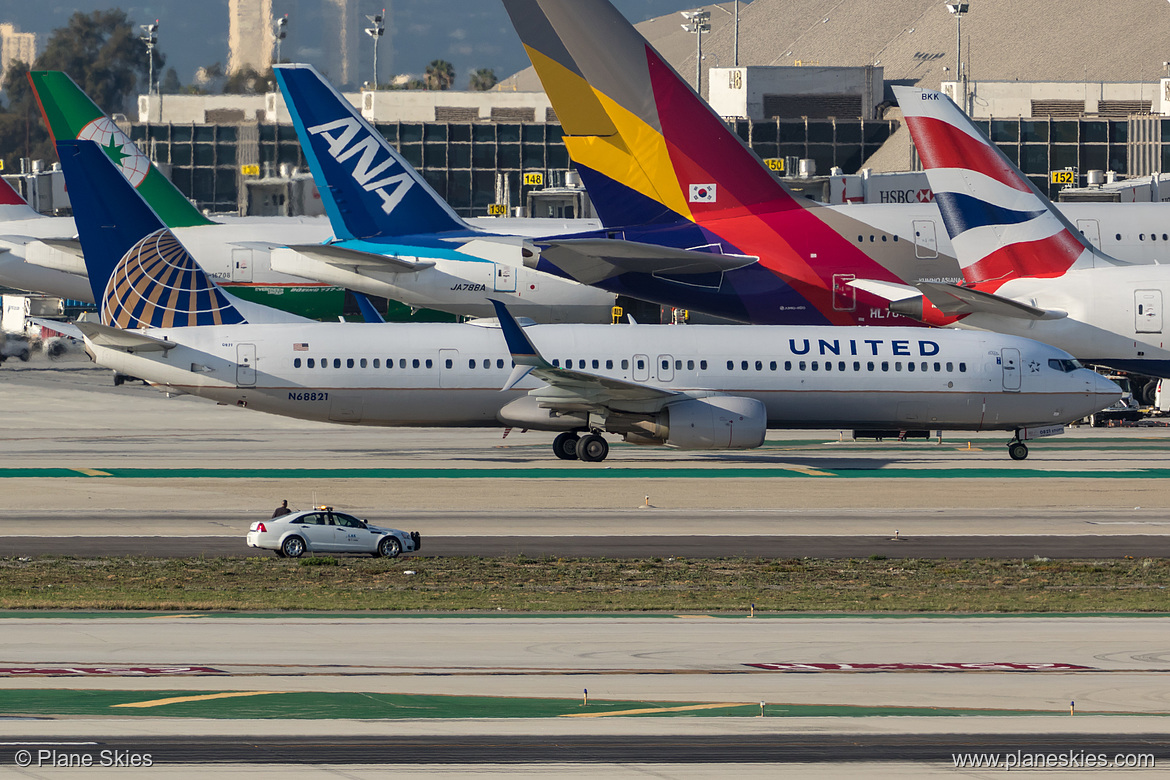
810, 94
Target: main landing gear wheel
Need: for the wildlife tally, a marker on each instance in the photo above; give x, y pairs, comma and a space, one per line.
1018, 450
565, 445
592, 448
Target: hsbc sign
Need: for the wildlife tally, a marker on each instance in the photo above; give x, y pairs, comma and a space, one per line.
907, 196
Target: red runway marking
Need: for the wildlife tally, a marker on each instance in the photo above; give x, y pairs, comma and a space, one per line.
936, 667
119, 671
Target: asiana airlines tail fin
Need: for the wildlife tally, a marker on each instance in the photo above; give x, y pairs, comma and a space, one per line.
649, 148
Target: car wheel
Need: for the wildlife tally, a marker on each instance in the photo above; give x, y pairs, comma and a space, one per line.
389, 547
279, 553
293, 547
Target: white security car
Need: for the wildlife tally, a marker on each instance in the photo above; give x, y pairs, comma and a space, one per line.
323, 530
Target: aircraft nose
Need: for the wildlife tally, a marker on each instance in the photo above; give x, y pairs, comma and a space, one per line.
1105, 389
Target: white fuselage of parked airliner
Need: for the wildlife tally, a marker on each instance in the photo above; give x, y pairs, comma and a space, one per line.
450, 375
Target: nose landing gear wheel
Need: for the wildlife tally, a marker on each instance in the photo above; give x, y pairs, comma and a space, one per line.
1018, 450
592, 448
565, 445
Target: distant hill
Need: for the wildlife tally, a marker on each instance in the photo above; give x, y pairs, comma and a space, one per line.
469, 33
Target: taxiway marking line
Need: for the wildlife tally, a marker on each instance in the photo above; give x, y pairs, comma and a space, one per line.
655, 710
180, 699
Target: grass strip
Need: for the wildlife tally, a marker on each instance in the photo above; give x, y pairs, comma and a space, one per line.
566, 585
319, 705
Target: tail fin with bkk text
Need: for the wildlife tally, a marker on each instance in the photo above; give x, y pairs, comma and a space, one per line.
70, 114
141, 276
1001, 225
368, 189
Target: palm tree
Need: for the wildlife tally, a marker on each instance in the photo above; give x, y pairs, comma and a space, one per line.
483, 79
440, 75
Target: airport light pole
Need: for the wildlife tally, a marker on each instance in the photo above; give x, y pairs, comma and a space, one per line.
150, 38
376, 32
958, 9
698, 22
281, 33
735, 38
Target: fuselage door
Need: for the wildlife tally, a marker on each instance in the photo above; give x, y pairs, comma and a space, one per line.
1091, 230
641, 368
505, 278
665, 368
925, 240
241, 265
844, 294
1147, 307
245, 365
1009, 358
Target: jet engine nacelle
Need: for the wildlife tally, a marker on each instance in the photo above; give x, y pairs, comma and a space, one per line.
716, 423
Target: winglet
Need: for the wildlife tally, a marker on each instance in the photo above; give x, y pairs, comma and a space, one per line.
369, 313
525, 356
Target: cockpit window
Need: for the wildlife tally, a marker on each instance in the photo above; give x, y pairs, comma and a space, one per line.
1064, 365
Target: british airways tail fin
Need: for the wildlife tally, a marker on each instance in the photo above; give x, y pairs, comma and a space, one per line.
141, 275
645, 142
367, 187
12, 206
1001, 225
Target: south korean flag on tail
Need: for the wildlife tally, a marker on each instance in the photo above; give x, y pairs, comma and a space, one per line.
702, 193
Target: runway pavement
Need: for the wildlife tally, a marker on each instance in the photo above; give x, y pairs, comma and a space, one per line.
88, 465
661, 546
606, 749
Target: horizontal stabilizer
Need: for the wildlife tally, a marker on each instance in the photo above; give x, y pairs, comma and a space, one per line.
891, 291
954, 300
124, 340
59, 326
70, 246
592, 260
334, 254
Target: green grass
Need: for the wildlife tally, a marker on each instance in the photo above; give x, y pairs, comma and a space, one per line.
587, 585
321, 705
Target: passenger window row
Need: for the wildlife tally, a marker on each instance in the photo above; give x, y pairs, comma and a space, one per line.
842, 365
363, 363
1142, 236
759, 365
873, 239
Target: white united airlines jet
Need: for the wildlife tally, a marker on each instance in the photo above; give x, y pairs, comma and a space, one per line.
1027, 269
692, 387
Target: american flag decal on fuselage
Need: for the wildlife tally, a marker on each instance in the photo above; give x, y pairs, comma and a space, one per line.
157, 284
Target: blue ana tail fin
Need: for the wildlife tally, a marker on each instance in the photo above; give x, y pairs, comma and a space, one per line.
367, 187
141, 276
